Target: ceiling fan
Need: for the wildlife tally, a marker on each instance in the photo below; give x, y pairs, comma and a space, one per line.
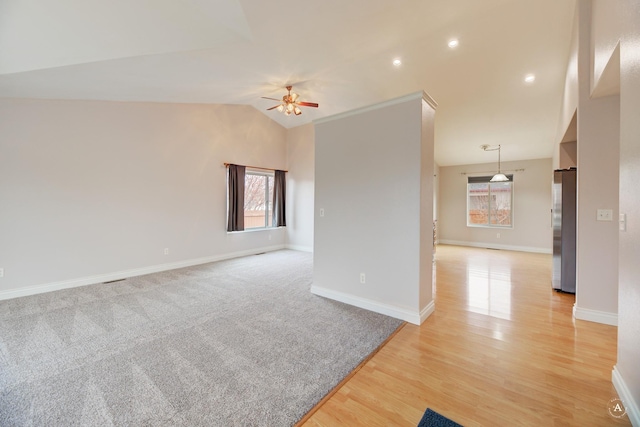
290, 104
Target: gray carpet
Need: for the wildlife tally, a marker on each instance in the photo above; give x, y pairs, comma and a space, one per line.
238, 342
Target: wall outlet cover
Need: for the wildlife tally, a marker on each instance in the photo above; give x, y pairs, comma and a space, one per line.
605, 215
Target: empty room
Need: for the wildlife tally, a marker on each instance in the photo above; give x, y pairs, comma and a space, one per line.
321, 214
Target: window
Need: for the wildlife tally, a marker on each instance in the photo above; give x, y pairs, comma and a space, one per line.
489, 204
258, 199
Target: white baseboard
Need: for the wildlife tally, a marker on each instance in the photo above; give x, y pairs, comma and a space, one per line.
118, 275
389, 310
300, 248
633, 412
595, 316
427, 311
496, 246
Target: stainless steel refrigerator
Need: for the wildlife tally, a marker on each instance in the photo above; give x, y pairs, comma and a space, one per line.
564, 230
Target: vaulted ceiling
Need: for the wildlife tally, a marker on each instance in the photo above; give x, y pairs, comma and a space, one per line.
336, 53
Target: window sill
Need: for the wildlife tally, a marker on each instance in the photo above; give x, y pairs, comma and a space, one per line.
253, 230
490, 226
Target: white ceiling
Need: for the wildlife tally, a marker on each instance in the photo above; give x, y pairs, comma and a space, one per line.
336, 53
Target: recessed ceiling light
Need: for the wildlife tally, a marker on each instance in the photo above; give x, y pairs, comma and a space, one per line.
453, 43
397, 62
529, 78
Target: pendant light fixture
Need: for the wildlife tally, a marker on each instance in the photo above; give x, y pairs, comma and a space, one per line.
499, 177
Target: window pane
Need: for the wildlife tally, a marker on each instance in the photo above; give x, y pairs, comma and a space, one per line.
269, 203
500, 203
258, 198
478, 203
254, 201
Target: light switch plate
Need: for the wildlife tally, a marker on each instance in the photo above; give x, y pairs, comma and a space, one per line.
622, 222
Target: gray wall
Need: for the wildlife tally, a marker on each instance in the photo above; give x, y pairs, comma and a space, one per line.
374, 181
613, 23
531, 207
300, 187
93, 190
602, 28
568, 155
598, 175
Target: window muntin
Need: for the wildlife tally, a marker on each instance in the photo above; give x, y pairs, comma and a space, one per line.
258, 199
489, 204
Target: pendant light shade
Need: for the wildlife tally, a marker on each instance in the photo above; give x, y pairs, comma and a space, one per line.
499, 177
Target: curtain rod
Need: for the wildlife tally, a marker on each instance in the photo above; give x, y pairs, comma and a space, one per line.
226, 165
490, 172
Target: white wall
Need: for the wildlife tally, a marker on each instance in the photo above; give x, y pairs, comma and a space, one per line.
605, 36
598, 174
604, 24
91, 190
628, 366
300, 187
531, 207
568, 155
612, 23
427, 207
374, 181
570, 95
436, 196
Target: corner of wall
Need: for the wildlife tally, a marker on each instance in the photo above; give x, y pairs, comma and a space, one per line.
631, 407
596, 316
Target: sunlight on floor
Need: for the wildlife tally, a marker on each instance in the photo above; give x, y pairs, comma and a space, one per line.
489, 288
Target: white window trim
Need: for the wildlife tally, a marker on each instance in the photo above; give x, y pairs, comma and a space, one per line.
260, 172
491, 225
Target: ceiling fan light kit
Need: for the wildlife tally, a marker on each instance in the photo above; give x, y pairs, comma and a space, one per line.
290, 104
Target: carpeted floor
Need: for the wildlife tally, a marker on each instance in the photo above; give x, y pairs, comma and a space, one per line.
238, 342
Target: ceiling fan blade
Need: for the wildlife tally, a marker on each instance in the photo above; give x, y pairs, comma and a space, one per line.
307, 104
273, 99
275, 106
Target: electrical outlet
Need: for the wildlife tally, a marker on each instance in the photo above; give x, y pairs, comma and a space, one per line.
321, 212
362, 278
166, 251
1, 272
498, 235
604, 215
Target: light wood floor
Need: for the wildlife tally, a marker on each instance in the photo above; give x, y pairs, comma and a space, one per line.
501, 349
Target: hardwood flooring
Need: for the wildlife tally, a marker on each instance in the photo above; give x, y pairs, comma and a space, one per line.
501, 349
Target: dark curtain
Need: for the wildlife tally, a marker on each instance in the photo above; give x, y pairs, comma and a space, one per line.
279, 197
235, 221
